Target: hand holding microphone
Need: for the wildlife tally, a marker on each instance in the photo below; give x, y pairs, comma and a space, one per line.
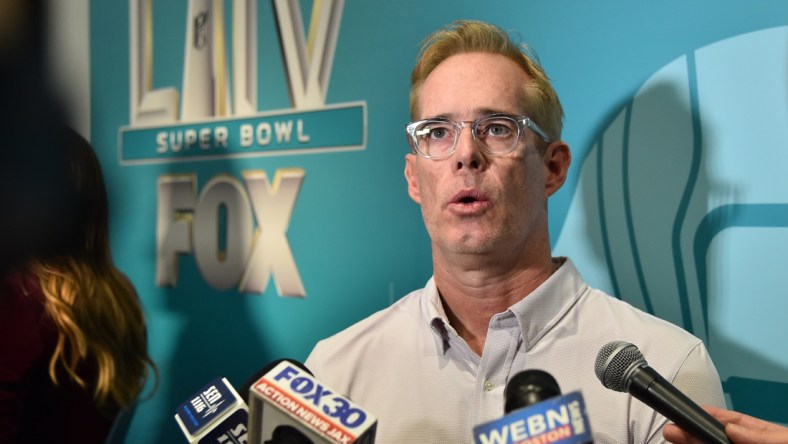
621, 367
741, 429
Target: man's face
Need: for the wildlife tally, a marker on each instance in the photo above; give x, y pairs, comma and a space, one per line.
472, 202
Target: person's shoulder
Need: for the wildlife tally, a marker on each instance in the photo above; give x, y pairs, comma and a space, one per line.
400, 314
632, 322
667, 347
22, 303
27, 333
380, 333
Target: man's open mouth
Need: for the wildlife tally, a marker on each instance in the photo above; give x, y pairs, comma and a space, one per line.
469, 197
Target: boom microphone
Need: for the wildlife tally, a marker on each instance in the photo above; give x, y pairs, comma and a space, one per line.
537, 413
621, 367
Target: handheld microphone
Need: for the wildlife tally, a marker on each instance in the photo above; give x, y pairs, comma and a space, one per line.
621, 367
529, 387
214, 414
246, 389
283, 434
536, 412
217, 413
287, 405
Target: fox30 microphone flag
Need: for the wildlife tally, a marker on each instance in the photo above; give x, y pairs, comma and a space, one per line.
289, 397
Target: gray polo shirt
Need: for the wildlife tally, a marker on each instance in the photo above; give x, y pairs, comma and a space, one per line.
407, 365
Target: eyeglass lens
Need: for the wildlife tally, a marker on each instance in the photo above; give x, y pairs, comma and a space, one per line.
436, 138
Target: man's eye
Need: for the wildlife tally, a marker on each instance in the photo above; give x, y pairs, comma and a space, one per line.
438, 133
497, 130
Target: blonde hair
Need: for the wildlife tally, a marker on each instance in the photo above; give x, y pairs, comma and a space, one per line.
94, 306
465, 36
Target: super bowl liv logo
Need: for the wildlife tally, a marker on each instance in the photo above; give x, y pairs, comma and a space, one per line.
215, 116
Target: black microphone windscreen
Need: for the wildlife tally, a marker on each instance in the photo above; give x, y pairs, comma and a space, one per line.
529, 387
288, 435
615, 362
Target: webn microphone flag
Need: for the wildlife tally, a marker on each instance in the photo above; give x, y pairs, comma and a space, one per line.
561, 419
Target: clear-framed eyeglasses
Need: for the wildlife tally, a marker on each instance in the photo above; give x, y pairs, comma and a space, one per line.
497, 134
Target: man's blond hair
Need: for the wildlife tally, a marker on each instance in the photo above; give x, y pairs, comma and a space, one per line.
465, 36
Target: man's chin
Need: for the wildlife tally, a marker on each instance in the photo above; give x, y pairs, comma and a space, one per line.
473, 244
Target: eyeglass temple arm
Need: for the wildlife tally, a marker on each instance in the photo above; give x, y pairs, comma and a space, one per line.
538, 130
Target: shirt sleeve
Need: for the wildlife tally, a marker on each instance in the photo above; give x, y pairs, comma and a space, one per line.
697, 378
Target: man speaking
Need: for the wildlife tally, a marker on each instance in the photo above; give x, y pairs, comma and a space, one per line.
486, 155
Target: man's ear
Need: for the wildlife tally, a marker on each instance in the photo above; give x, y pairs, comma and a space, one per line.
557, 158
411, 177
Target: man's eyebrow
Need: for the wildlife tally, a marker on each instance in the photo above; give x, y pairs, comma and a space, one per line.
488, 111
479, 112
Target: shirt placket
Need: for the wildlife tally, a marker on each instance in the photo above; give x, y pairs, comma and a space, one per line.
503, 340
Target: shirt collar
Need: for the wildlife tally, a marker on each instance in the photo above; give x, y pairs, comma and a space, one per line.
436, 315
546, 305
536, 314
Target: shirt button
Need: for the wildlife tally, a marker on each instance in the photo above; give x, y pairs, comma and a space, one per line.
488, 385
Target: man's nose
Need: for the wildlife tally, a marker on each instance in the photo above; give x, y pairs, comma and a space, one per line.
468, 153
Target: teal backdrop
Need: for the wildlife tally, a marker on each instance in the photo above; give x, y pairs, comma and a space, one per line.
254, 157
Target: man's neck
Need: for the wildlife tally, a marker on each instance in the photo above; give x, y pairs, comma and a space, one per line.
472, 294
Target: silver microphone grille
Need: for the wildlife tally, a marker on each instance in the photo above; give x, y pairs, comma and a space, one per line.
614, 363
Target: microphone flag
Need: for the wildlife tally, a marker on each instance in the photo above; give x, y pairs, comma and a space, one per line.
211, 405
561, 419
288, 396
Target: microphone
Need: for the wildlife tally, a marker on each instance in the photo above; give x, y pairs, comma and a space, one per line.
282, 434
621, 367
529, 387
217, 413
288, 405
536, 412
214, 414
247, 387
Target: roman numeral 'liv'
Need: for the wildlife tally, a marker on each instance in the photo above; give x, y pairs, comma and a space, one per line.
205, 89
